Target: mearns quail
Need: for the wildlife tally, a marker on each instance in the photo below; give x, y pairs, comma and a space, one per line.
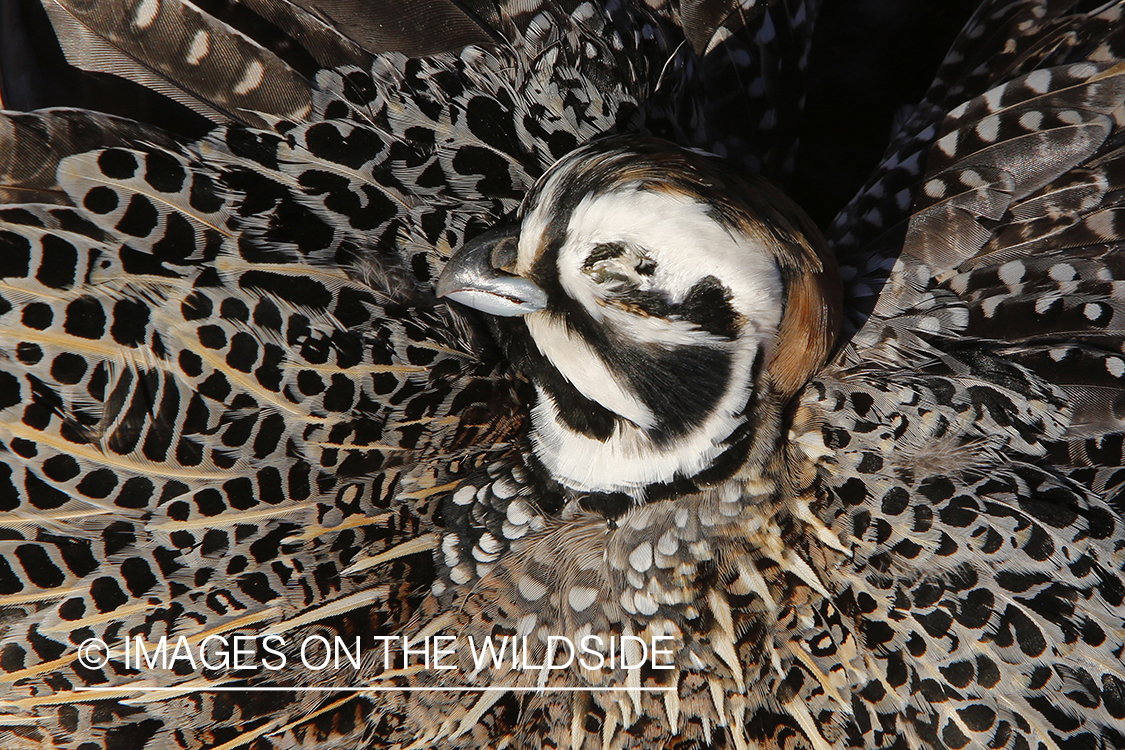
476, 321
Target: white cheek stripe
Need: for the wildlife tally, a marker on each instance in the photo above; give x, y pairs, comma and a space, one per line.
629, 460
684, 240
580, 364
667, 333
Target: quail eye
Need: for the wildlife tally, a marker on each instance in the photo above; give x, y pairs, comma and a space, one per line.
618, 265
603, 252
613, 279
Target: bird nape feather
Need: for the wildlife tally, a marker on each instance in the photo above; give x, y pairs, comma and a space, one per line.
447, 373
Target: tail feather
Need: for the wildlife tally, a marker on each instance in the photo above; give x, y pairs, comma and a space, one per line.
35, 143
188, 55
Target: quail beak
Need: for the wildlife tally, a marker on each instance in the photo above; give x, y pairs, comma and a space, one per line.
477, 276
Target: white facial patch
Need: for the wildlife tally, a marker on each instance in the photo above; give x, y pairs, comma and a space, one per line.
580, 364
684, 242
628, 460
680, 244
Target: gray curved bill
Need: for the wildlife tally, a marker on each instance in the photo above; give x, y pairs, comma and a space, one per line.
470, 278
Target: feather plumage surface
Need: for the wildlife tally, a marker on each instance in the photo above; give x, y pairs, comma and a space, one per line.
231, 402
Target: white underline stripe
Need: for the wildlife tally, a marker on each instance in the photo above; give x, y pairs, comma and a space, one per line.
385, 689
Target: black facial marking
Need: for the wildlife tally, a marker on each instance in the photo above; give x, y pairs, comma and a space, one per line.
578, 412
724, 465
655, 304
681, 386
575, 410
708, 305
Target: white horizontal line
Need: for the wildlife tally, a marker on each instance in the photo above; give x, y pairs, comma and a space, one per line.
382, 689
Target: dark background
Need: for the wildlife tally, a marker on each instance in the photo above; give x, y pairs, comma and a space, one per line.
870, 58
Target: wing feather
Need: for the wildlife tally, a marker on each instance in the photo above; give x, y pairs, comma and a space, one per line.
973, 417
